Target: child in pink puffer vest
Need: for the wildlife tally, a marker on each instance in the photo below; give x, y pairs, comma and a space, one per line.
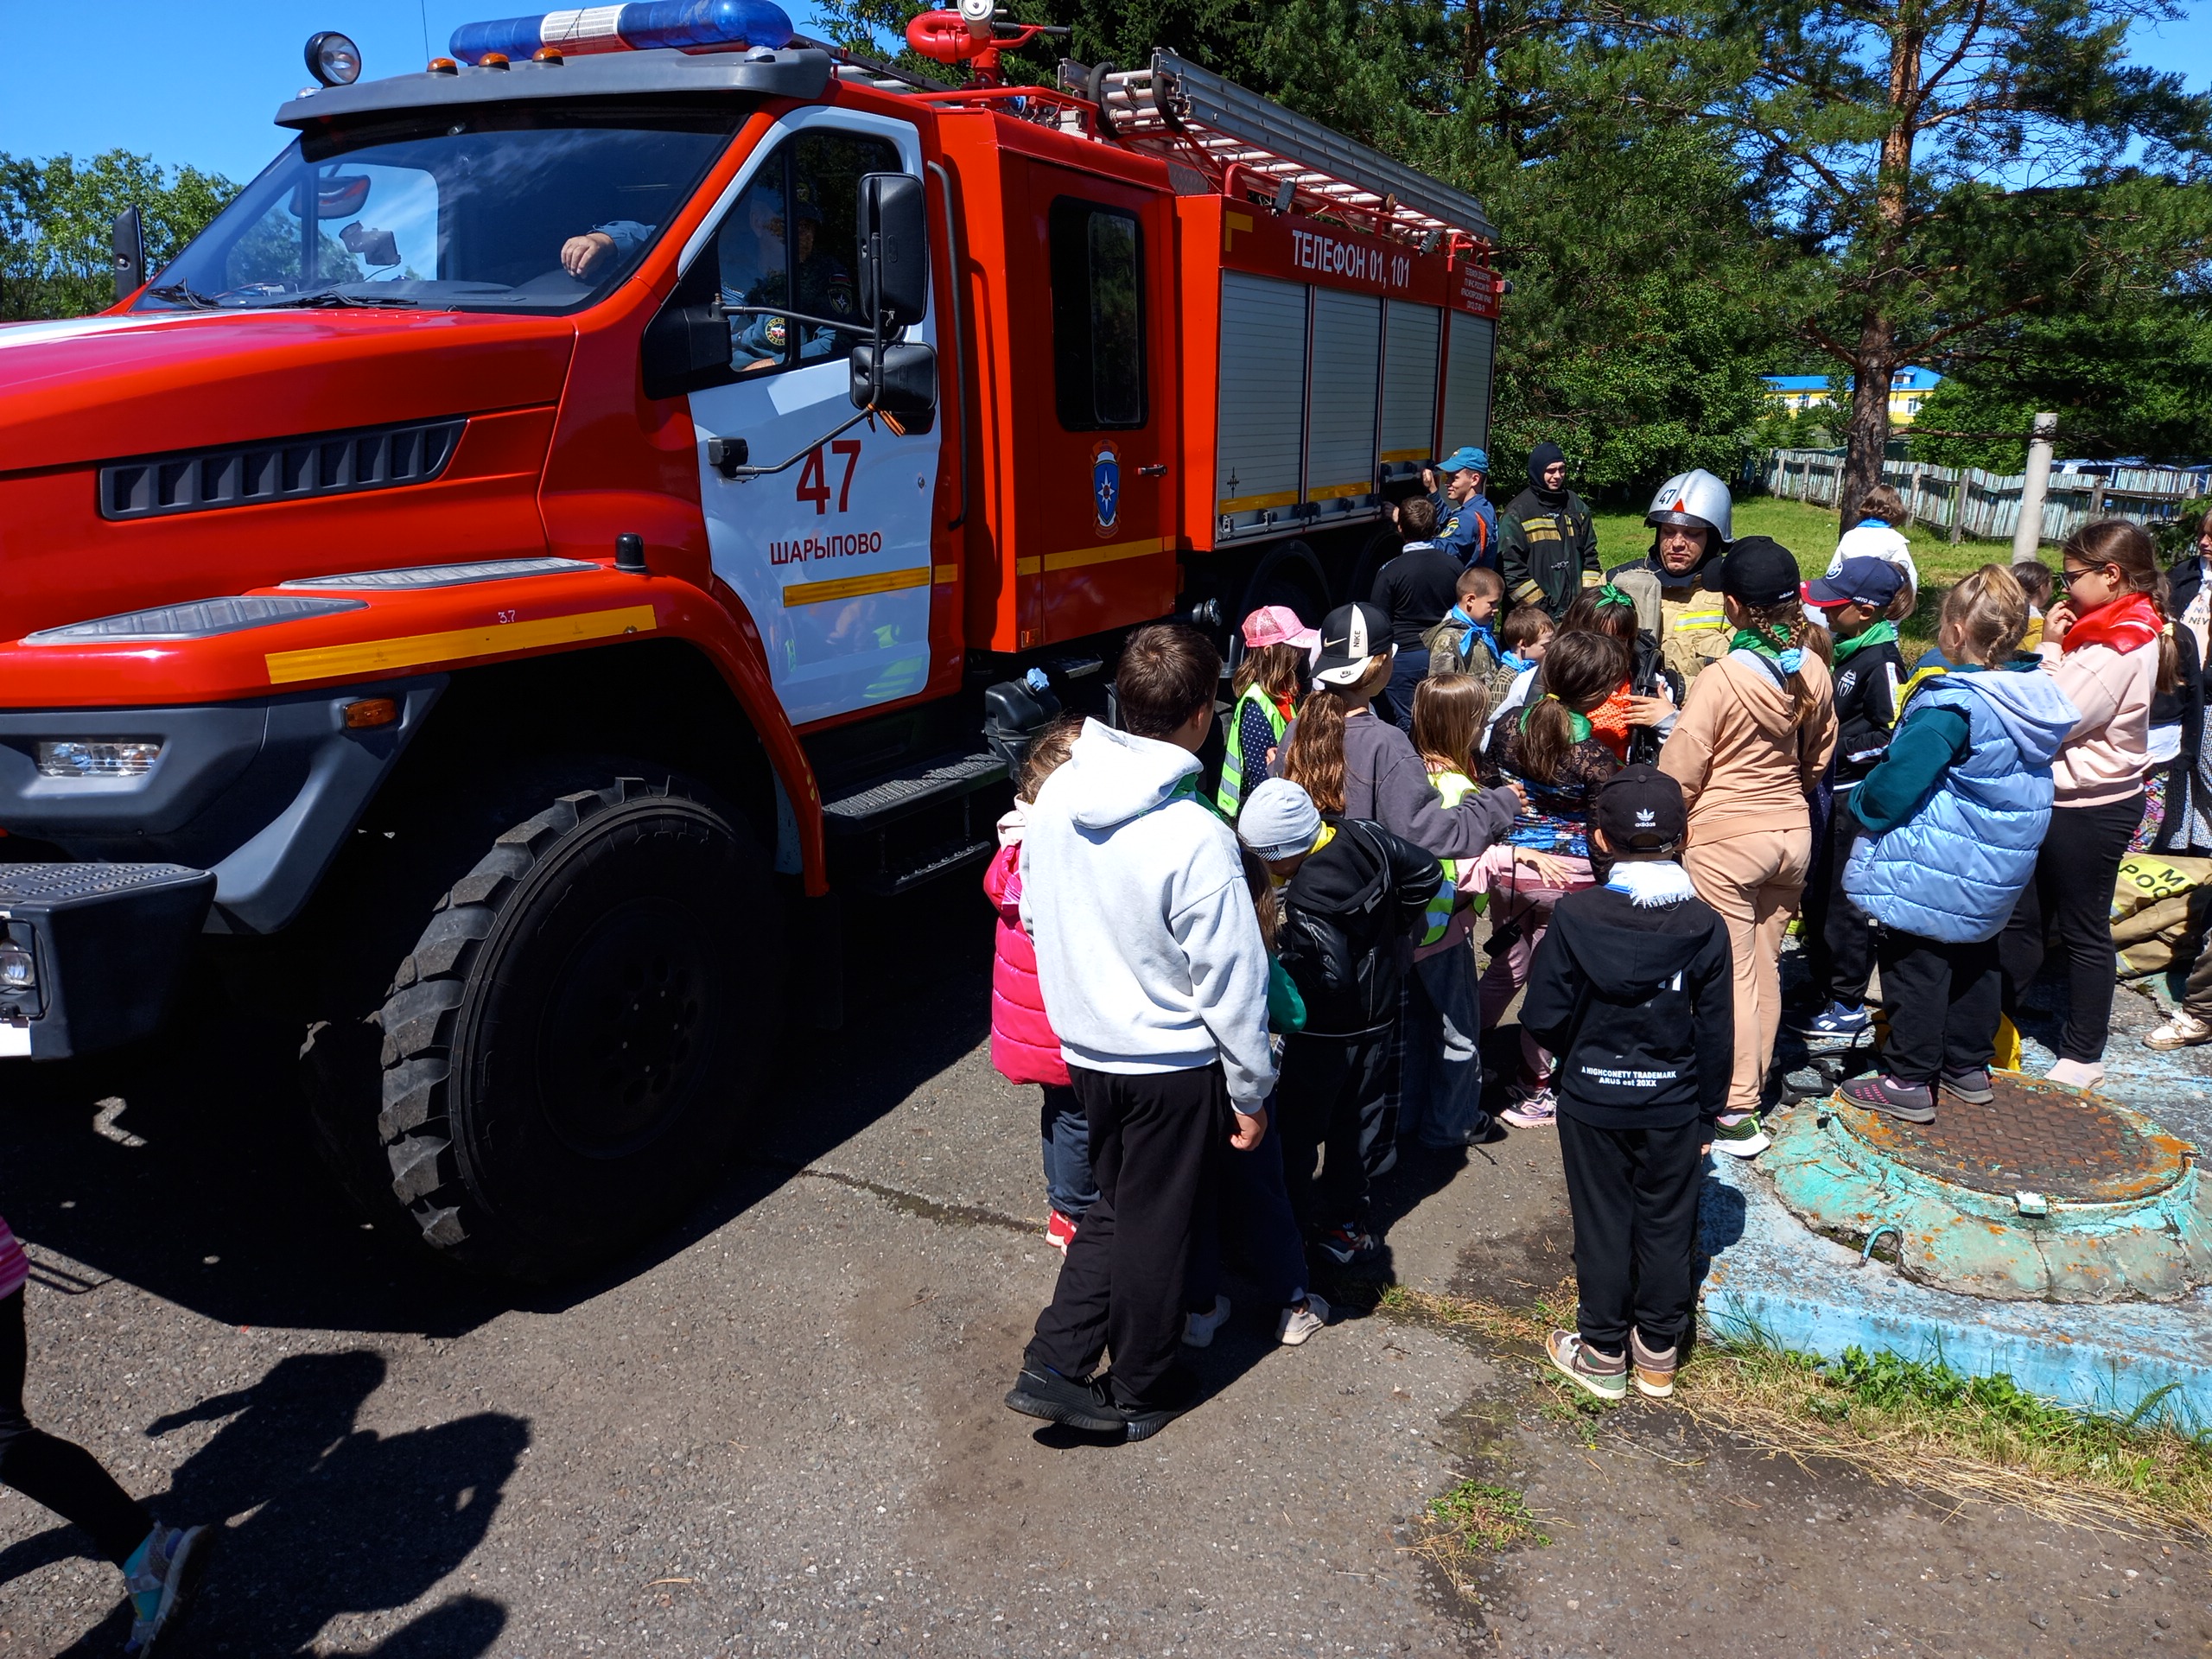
1024, 1047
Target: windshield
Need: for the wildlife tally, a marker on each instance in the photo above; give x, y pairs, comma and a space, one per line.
517, 210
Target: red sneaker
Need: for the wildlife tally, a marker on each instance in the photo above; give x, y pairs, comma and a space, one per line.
1059, 1231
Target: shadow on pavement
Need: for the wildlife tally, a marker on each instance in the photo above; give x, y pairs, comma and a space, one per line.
201, 1185
336, 1519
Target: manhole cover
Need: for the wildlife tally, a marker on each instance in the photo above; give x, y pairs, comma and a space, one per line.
2034, 1137
2043, 1193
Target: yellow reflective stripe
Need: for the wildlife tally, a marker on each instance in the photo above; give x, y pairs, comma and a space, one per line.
1076, 557
413, 650
1254, 502
1332, 491
884, 582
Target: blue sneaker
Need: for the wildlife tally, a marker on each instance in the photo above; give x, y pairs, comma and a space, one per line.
1838, 1021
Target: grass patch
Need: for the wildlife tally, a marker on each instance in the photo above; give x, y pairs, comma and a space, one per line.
1476, 1520
1811, 533
1906, 1422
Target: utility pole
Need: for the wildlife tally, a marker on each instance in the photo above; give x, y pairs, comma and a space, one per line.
2028, 533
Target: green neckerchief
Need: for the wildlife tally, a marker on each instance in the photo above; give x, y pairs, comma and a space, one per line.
1579, 724
1884, 633
1788, 662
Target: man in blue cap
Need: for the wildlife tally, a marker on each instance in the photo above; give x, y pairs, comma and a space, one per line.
1467, 527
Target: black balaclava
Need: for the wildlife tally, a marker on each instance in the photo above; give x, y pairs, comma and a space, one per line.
1542, 456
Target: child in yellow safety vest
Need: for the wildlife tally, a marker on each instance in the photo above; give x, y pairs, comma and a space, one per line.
1443, 1067
1270, 684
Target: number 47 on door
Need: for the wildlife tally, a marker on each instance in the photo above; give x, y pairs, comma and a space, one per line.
814, 477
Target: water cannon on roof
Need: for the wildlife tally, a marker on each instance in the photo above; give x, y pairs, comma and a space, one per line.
971, 36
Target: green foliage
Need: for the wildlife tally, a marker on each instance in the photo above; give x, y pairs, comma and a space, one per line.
57, 216
2129, 380
1934, 171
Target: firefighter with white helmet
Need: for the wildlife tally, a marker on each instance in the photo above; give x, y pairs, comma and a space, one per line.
1692, 518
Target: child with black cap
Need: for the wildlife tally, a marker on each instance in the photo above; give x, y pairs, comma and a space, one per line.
1632, 989
1869, 671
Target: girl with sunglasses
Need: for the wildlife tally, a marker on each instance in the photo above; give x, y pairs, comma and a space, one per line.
2107, 643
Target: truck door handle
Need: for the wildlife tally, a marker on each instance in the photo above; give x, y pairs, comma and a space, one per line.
1157, 469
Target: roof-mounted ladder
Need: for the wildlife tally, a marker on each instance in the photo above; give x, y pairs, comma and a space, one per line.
1180, 111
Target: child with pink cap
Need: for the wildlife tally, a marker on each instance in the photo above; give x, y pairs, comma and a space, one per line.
1270, 684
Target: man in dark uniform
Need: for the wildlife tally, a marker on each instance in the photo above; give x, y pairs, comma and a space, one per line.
1466, 527
824, 290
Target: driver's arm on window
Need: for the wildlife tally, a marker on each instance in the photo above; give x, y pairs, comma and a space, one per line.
580, 255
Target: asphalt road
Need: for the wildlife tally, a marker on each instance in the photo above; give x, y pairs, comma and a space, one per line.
779, 1430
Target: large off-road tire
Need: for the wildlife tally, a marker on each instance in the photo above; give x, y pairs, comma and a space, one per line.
572, 1045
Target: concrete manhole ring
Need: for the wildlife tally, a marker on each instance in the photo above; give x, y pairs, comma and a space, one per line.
2045, 1193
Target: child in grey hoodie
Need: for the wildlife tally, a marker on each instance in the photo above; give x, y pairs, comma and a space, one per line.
1149, 954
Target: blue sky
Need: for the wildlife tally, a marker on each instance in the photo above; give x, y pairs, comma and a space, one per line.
198, 83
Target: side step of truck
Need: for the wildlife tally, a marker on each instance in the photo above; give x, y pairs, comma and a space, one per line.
874, 810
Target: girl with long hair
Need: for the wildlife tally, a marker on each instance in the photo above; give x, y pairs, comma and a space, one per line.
1752, 743
2108, 644
1550, 749
1270, 684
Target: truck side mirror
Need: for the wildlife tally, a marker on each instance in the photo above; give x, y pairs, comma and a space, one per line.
901, 380
893, 239
129, 242
686, 346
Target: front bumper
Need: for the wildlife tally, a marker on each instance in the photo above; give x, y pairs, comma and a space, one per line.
263, 792
107, 943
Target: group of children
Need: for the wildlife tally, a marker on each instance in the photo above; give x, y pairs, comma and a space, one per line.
1301, 943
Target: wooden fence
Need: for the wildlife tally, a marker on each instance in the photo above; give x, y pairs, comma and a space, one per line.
1985, 507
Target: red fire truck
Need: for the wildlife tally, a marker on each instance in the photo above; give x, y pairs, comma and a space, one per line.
573, 518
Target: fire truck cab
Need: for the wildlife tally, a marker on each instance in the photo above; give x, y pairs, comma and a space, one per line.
576, 516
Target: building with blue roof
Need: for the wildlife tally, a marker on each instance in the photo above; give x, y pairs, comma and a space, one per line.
1909, 389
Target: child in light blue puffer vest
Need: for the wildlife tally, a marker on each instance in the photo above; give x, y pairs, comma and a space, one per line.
1953, 817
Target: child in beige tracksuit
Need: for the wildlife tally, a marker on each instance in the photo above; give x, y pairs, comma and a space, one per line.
1752, 743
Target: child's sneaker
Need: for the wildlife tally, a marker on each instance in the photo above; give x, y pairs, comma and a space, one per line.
1971, 1087
1910, 1102
1602, 1374
1741, 1137
2184, 1030
1837, 1020
1531, 1109
1302, 1319
160, 1578
1348, 1244
1198, 1328
2077, 1074
1078, 1402
1654, 1367
1059, 1232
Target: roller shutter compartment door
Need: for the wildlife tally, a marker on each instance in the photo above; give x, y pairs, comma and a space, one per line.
1466, 383
1340, 406
1260, 407
1409, 385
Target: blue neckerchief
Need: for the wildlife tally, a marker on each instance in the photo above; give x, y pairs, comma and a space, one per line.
1515, 661
1868, 524
1480, 629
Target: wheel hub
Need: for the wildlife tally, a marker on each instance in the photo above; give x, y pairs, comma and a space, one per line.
623, 1038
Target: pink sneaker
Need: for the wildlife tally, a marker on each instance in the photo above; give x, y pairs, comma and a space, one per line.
1059, 1232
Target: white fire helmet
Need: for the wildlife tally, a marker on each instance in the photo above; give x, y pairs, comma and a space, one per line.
1696, 499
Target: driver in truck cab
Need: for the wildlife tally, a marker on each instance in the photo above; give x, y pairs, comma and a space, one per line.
752, 273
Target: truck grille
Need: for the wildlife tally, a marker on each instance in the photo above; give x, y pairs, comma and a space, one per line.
293, 469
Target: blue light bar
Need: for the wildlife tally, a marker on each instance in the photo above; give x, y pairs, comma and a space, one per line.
687, 25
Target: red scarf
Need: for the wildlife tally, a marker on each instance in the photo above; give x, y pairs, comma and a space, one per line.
2129, 623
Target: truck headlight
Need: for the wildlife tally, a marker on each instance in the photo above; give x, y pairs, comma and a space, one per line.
18, 971
97, 757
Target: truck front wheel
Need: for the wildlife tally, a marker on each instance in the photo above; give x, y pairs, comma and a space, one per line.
570, 1048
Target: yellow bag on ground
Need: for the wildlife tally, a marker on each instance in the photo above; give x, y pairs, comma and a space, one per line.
2008, 1046
2144, 880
